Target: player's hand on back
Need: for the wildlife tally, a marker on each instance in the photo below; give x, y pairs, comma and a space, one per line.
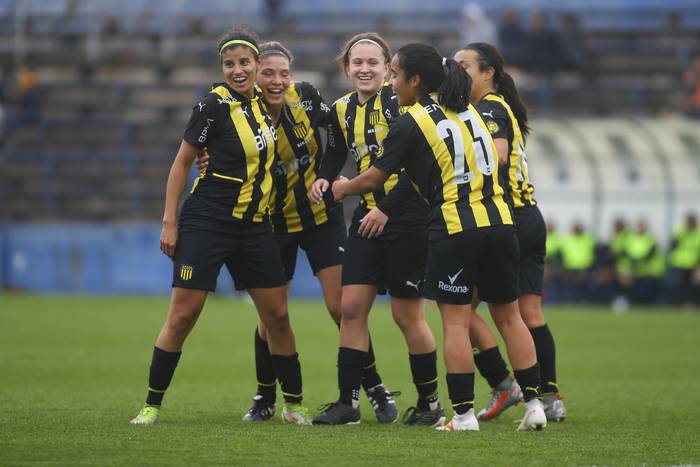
202, 162
372, 225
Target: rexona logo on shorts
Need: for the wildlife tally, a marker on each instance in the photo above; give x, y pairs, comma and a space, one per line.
451, 287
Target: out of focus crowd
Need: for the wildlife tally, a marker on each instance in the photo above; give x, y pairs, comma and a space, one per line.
632, 268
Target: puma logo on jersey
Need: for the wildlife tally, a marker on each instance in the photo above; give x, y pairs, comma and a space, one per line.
201, 105
489, 113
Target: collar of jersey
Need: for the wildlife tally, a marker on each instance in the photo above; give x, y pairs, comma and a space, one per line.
241, 98
357, 95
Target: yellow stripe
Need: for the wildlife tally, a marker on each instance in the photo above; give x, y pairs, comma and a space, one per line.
267, 385
157, 391
291, 395
444, 160
463, 403
520, 188
196, 182
374, 363
427, 382
225, 177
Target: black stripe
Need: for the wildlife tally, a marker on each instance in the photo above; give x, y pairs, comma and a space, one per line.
350, 112
257, 195
371, 139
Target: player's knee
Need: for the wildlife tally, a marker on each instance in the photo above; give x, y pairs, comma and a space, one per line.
181, 322
352, 312
276, 318
403, 321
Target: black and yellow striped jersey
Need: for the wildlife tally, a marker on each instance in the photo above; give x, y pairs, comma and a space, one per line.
359, 129
501, 122
240, 139
298, 154
451, 159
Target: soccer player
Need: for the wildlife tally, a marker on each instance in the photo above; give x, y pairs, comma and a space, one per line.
225, 221
446, 150
505, 115
297, 111
378, 254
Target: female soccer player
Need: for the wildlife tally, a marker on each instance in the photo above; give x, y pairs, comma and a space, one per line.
225, 221
446, 150
297, 111
378, 254
505, 116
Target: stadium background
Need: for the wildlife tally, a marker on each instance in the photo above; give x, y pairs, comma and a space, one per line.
95, 95
94, 98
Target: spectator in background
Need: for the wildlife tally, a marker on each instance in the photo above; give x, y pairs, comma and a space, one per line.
274, 8
26, 102
512, 39
477, 26
573, 50
578, 257
552, 263
641, 265
684, 263
692, 81
543, 47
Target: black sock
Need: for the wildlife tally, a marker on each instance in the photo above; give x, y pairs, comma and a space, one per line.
264, 370
460, 387
163, 366
350, 363
424, 372
491, 365
288, 371
370, 377
529, 381
544, 346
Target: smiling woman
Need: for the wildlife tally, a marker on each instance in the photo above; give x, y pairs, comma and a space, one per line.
225, 221
375, 259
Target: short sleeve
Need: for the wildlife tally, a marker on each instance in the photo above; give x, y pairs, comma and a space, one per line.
495, 117
203, 122
397, 145
390, 103
336, 150
318, 111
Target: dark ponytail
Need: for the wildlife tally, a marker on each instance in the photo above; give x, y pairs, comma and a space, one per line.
490, 57
438, 74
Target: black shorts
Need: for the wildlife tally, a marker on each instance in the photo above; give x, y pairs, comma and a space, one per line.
487, 258
323, 244
248, 250
394, 262
532, 236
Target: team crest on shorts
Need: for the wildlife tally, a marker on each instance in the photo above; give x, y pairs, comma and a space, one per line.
374, 117
492, 126
300, 130
186, 272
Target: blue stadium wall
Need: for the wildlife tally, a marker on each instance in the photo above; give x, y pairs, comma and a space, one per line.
89, 259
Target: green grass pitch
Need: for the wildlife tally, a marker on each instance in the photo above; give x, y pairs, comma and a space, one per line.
74, 371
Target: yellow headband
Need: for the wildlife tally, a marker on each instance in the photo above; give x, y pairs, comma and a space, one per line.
239, 41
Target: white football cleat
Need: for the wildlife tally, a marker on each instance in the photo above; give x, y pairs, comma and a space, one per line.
463, 422
534, 418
